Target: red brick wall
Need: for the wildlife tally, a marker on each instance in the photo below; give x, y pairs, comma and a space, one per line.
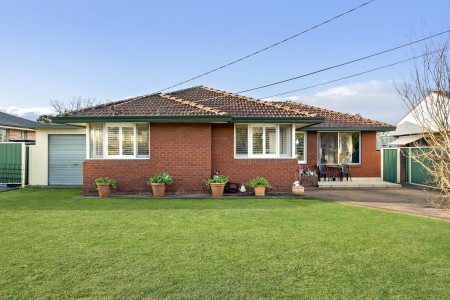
16, 134
370, 158
192, 152
182, 150
279, 172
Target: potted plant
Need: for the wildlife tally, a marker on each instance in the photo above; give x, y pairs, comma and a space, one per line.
216, 184
259, 184
159, 182
105, 186
297, 188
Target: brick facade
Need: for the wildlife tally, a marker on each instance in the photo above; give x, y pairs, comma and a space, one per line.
370, 158
192, 152
279, 172
182, 150
16, 134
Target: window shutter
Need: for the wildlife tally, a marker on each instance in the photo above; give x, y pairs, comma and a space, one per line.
242, 140
97, 140
127, 140
271, 140
143, 140
257, 139
113, 140
285, 141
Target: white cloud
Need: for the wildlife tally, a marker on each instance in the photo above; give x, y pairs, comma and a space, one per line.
375, 99
31, 113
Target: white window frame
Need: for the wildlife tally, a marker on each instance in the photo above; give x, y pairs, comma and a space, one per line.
250, 154
105, 141
339, 141
305, 145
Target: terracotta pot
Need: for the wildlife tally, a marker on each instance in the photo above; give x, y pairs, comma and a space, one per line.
159, 189
104, 190
260, 190
298, 191
217, 189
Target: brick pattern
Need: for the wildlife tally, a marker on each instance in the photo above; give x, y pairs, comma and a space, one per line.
182, 150
192, 152
279, 172
370, 158
15, 134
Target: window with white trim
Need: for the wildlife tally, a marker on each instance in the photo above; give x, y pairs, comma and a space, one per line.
339, 147
3, 135
300, 146
264, 141
119, 140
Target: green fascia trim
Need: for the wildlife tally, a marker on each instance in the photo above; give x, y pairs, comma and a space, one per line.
56, 126
390, 128
164, 119
312, 121
188, 119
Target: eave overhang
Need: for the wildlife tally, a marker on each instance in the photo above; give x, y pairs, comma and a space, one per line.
354, 128
188, 119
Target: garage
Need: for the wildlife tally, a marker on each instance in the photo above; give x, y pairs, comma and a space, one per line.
66, 153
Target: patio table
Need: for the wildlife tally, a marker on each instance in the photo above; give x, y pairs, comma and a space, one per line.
336, 171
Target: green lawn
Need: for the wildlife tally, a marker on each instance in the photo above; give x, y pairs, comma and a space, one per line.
55, 244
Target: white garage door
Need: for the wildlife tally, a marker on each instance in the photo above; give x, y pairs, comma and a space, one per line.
66, 153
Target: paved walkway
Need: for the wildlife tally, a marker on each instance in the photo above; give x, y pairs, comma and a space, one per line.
408, 200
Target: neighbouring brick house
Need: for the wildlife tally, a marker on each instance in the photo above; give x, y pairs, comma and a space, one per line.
193, 133
16, 129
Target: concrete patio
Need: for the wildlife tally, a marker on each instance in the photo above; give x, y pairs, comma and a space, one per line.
358, 183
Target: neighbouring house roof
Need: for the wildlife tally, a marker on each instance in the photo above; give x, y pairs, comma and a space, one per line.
203, 104
337, 120
8, 120
407, 139
406, 128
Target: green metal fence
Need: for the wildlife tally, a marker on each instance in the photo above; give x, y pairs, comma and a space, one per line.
411, 169
390, 165
415, 172
12, 163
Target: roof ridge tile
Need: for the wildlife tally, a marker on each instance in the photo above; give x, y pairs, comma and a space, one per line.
193, 104
260, 101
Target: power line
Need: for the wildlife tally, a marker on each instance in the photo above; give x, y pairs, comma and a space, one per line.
342, 64
268, 47
350, 76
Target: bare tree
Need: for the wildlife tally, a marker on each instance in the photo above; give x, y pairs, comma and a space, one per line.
77, 103
427, 96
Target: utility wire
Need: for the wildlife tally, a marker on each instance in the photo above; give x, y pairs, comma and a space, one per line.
342, 64
268, 47
350, 76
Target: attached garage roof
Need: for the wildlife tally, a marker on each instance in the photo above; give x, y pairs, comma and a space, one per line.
403, 140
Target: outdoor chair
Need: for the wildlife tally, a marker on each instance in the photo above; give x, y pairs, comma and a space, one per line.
345, 170
322, 171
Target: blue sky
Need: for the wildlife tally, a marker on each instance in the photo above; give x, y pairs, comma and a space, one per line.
111, 50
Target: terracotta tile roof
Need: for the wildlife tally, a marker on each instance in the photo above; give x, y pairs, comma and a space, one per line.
204, 101
333, 118
237, 105
150, 105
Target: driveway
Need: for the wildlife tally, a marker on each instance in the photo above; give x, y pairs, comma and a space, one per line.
410, 200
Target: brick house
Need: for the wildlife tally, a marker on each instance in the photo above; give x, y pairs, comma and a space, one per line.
16, 129
193, 133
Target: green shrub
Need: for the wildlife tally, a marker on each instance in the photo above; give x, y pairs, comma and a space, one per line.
258, 181
215, 179
105, 180
161, 178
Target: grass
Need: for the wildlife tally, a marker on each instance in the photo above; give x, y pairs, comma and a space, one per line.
56, 245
